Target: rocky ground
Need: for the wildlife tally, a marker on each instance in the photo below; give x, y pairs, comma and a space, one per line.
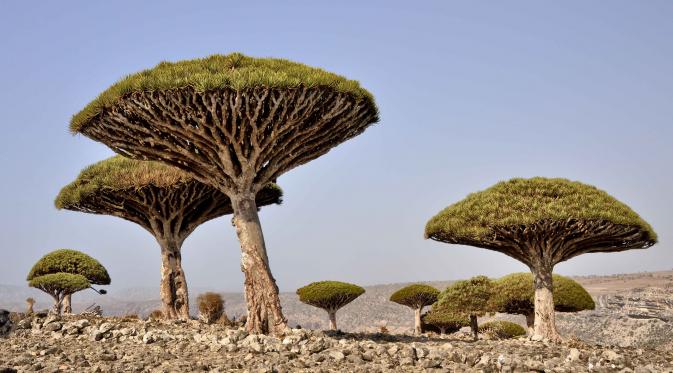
78, 344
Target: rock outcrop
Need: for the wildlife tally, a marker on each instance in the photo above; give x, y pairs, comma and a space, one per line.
117, 344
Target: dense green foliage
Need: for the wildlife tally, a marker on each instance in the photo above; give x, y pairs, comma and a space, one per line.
415, 296
329, 295
515, 294
526, 201
503, 329
72, 262
443, 320
234, 71
121, 173
65, 283
469, 297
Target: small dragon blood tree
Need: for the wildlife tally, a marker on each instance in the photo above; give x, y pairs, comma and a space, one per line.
64, 272
416, 297
164, 200
443, 321
235, 123
468, 297
330, 296
541, 222
515, 294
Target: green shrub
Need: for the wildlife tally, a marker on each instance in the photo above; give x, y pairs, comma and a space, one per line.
502, 329
156, 315
467, 296
443, 321
211, 307
515, 294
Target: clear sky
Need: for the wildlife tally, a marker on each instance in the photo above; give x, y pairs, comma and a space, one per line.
470, 93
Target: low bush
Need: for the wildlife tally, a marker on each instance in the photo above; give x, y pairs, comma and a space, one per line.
156, 315
211, 307
502, 329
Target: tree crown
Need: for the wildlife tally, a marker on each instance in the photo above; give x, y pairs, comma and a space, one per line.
66, 283
526, 201
415, 296
118, 173
70, 262
442, 318
467, 296
515, 294
329, 295
502, 328
235, 71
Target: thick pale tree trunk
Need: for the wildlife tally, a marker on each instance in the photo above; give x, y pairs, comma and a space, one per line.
530, 322
545, 318
173, 288
417, 321
474, 326
332, 319
67, 304
265, 314
58, 304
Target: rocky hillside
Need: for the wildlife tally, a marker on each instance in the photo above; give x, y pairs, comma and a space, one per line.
76, 344
632, 309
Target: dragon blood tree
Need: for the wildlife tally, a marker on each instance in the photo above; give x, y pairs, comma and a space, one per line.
330, 296
416, 297
236, 123
64, 272
443, 321
515, 294
164, 200
541, 222
468, 297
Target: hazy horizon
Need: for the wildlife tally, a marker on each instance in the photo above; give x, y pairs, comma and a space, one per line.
469, 94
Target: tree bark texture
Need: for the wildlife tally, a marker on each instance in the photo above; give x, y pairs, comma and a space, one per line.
417, 321
474, 325
58, 303
332, 319
545, 316
173, 288
261, 293
530, 322
67, 304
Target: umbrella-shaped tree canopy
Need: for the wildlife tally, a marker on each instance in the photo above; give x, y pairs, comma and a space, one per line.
72, 262
233, 120
236, 123
542, 222
150, 193
508, 216
166, 201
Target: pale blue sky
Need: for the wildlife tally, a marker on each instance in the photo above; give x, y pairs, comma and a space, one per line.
470, 93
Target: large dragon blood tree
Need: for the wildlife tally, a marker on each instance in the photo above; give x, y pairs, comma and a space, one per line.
164, 200
541, 222
235, 123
